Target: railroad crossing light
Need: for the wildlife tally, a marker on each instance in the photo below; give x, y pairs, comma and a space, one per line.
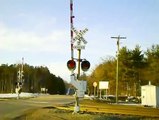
71, 64
16, 83
85, 65
20, 83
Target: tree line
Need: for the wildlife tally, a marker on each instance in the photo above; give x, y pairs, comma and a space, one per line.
35, 78
136, 68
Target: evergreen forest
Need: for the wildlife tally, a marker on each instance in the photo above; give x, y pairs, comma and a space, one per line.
136, 68
34, 78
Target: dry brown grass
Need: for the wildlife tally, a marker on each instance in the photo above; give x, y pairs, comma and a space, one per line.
53, 114
90, 112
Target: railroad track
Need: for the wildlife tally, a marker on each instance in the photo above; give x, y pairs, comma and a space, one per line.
116, 109
137, 111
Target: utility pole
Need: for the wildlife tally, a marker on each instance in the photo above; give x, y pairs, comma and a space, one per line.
117, 66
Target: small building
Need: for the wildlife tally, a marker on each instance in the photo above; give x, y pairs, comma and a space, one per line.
150, 95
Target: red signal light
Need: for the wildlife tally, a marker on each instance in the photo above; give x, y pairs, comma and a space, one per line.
71, 64
85, 65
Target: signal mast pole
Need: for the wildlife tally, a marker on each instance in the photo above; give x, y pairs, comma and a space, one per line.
71, 28
72, 51
117, 66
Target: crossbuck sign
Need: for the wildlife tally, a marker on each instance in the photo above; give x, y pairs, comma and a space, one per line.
79, 38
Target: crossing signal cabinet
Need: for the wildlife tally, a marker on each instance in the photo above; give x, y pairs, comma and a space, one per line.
79, 85
150, 95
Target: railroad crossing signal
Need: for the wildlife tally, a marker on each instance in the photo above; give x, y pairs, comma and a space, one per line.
71, 64
77, 42
79, 38
85, 65
79, 35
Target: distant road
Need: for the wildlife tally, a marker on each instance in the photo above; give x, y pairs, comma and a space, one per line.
12, 108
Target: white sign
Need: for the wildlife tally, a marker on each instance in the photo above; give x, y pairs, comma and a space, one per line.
79, 35
103, 84
84, 41
79, 47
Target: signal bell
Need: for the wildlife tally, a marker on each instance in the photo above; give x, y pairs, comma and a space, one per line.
85, 65
71, 64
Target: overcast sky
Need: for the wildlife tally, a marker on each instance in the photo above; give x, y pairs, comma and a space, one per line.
39, 30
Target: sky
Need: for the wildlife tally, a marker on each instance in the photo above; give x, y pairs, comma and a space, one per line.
39, 30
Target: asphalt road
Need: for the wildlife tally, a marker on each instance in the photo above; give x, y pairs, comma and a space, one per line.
12, 108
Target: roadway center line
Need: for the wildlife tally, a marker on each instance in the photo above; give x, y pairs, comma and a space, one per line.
37, 102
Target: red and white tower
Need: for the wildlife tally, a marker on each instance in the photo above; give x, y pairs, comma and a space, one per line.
71, 27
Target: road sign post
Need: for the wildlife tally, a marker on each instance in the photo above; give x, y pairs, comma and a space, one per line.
94, 85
